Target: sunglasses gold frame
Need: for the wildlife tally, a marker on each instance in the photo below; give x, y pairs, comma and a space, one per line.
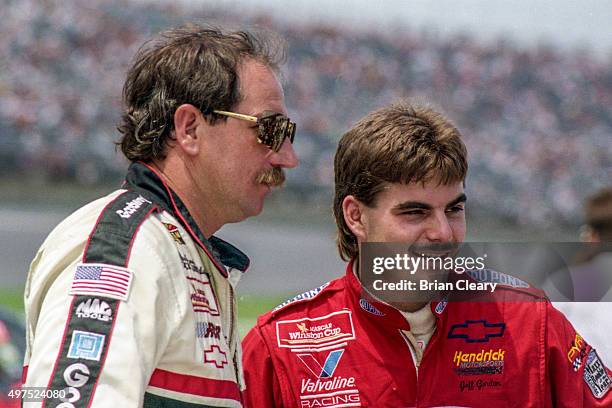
273, 140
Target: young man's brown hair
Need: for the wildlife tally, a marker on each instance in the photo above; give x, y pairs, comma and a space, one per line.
400, 143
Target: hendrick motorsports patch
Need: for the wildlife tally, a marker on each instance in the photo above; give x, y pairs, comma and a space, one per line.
595, 375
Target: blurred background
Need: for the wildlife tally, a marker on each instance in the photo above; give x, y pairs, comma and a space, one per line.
529, 84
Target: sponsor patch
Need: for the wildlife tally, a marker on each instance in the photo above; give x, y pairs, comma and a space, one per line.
441, 306
82, 353
190, 265
202, 296
316, 333
86, 345
94, 308
577, 352
75, 377
98, 279
484, 362
329, 366
480, 368
208, 330
303, 296
174, 232
214, 355
325, 390
596, 376
345, 398
367, 306
488, 275
476, 331
478, 385
333, 384
132, 206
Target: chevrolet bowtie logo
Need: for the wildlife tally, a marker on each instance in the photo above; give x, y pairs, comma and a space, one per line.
216, 356
476, 331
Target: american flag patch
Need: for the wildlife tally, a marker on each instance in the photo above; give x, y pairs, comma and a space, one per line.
102, 280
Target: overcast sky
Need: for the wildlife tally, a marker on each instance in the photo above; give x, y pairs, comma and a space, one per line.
567, 23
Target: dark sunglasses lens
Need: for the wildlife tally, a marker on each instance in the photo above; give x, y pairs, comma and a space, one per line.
266, 131
280, 124
274, 129
290, 130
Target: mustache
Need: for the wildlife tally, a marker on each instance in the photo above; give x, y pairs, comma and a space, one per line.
435, 247
274, 177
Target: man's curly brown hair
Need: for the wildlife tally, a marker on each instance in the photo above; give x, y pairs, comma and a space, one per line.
191, 64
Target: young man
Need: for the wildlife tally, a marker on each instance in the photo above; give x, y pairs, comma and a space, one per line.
130, 300
399, 177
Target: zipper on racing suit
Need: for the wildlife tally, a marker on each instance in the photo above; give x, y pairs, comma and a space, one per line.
412, 345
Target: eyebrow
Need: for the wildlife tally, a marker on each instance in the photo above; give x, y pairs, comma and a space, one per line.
269, 111
462, 198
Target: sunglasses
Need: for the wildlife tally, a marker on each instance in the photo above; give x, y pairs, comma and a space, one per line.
272, 129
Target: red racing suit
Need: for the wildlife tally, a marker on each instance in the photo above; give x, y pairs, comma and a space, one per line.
337, 347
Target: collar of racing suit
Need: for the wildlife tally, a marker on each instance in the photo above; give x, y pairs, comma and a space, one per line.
381, 312
145, 180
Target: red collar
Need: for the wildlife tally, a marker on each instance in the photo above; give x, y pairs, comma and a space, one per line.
378, 311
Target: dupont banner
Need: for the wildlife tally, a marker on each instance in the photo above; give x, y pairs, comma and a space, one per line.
477, 271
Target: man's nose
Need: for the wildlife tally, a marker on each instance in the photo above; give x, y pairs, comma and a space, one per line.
285, 157
439, 229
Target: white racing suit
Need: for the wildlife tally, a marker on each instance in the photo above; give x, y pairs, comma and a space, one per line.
129, 305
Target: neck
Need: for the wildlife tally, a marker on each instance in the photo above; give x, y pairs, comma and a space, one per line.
410, 307
206, 216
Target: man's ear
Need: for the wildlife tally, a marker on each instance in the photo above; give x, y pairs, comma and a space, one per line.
187, 120
354, 218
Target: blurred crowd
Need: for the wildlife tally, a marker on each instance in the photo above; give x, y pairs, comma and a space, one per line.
537, 121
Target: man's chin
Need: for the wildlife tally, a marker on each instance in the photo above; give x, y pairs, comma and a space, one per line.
254, 209
409, 307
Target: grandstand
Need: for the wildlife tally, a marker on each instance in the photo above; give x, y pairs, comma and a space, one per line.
537, 121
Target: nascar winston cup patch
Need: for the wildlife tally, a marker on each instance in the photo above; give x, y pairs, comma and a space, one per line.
102, 280
334, 329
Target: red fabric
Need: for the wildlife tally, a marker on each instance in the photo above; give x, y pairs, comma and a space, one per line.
261, 369
206, 387
24, 374
521, 335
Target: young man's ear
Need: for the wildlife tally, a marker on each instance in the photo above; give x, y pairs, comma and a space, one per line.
187, 120
352, 210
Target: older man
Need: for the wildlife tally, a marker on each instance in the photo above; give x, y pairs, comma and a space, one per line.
130, 300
